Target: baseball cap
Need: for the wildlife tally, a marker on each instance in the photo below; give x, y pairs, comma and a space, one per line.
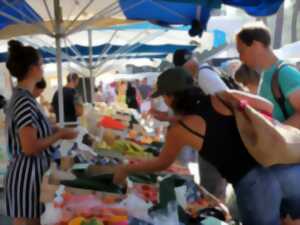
172, 81
181, 56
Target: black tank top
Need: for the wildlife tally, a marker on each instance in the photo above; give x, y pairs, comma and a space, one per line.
223, 146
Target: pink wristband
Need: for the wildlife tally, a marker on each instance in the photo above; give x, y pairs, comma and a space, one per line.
243, 104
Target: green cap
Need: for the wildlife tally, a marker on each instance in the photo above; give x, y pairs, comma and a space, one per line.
173, 80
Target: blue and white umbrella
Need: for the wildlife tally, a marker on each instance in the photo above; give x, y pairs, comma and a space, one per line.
60, 18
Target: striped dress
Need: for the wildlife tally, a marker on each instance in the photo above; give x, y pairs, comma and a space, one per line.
25, 173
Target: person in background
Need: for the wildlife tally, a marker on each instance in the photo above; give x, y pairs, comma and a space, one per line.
161, 112
210, 83
73, 107
254, 47
30, 138
145, 89
131, 97
162, 115
139, 98
145, 92
99, 93
44, 107
249, 78
231, 66
121, 92
39, 88
204, 75
111, 93
209, 127
37, 93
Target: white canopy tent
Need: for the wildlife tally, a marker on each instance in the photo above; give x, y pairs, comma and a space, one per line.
289, 51
60, 18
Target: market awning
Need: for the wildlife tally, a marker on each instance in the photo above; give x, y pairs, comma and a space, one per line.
138, 51
20, 17
191, 12
37, 17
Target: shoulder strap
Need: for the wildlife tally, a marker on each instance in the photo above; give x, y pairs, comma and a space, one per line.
277, 92
190, 130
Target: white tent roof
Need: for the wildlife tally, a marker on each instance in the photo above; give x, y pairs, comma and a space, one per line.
289, 51
95, 13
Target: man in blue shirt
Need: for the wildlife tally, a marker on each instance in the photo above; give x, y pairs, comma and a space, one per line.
253, 45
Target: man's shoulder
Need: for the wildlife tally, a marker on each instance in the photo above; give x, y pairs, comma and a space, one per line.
289, 70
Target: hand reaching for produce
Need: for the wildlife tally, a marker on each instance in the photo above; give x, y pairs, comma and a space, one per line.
120, 175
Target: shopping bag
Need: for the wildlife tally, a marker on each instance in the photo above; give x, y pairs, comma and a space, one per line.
267, 140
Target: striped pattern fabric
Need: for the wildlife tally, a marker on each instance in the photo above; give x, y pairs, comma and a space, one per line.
25, 173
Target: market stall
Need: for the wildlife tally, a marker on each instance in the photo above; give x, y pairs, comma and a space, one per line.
79, 190
85, 175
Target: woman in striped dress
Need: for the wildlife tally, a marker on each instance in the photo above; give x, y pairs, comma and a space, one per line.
30, 138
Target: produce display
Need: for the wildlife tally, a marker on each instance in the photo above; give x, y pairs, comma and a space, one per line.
109, 122
129, 148
147, 192
175, 168
89, 210
145, 200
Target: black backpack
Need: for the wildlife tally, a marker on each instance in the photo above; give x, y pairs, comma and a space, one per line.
228, 80
276, 89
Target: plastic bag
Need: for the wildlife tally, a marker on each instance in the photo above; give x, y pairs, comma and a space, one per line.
52, 215
137, 207
91, 117
168, 216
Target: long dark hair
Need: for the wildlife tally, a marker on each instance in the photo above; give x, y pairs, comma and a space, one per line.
189, 101
20, 59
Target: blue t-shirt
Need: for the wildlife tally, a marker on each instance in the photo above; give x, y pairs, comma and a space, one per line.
289, 81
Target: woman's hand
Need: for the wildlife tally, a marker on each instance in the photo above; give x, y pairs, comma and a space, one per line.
67, 133
120, 175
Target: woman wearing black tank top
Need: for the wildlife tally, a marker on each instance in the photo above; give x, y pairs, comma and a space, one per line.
208, 125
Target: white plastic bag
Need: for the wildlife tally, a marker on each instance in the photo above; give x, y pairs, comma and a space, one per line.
167, 218
51, 215
137, 207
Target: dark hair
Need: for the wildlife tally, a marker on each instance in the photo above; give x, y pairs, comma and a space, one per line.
255, 33
20, 59
41, 84
2, 102
246, 75
189, 101
72, 77
181, 56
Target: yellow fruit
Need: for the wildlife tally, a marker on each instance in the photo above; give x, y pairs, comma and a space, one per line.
77, 221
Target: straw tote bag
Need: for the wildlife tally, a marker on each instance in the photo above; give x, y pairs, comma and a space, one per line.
267, 140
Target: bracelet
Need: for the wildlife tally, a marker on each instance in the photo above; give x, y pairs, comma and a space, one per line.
243, 104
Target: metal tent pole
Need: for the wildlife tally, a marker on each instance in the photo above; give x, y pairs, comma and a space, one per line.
85, 99
91, 65
58, 19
